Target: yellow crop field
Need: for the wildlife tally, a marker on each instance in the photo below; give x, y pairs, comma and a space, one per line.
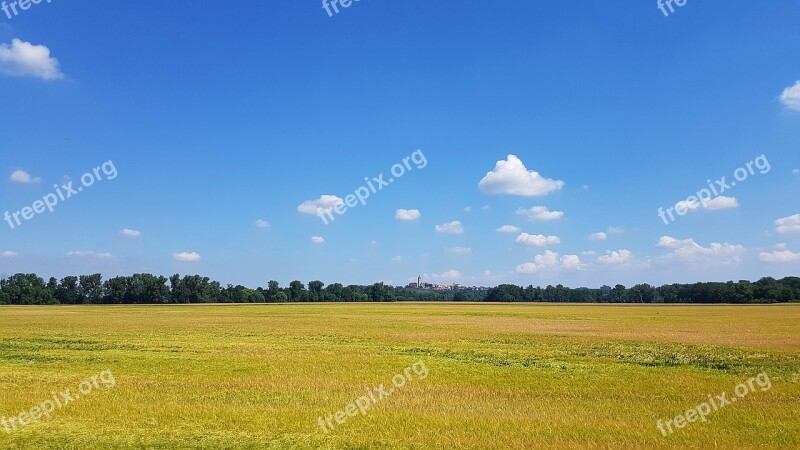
434, 375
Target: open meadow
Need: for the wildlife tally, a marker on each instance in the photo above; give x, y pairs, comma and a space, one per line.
495, 375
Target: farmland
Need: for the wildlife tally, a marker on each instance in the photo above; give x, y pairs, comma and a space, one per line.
498, 376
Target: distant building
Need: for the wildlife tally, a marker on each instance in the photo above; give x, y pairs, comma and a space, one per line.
443, 287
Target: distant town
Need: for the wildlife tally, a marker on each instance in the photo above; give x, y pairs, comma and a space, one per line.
419, 284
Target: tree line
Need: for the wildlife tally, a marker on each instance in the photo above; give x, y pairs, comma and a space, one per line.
30, 289
765, 290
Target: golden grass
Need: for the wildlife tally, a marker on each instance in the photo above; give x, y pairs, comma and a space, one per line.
500, 376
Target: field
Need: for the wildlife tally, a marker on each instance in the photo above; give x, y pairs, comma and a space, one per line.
498, 376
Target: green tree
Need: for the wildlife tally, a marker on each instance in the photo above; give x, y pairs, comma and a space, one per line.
297, 291
91, 288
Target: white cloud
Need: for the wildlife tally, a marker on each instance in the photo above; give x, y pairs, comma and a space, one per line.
721, 202
323, 203
787, 225
512, 177
450, 275
540, 213
8, 254
599, 236
780, 246
715, 204
397, 259
317, 239
541, 262
459, 250
571, 262
186, 257
468, 209
20, 176
689, 251
796, 171
88, 254
779, 257
790, 97
407, 214
260, 223
508, 229
453, 227
128, 233
550, 260
537, 240
615, 258
22, 59
671, 242
615, 230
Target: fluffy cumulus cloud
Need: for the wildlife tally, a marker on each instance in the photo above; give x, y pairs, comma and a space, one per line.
315, 207
785, 256
540, 213
407, 215
549, 260
454, 227
449, 276
511, 177
129, 233
571, 262
788, 225
599, 236
23, 59
88, 254
689, 251
671, 242
541, 262
260, 223
317, 239
790, 97
615, 258
508, 229
8, 254
537, 240
20, 176
721, 202
186, 256
715, 204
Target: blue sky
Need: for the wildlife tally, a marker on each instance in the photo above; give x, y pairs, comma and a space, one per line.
218, 115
